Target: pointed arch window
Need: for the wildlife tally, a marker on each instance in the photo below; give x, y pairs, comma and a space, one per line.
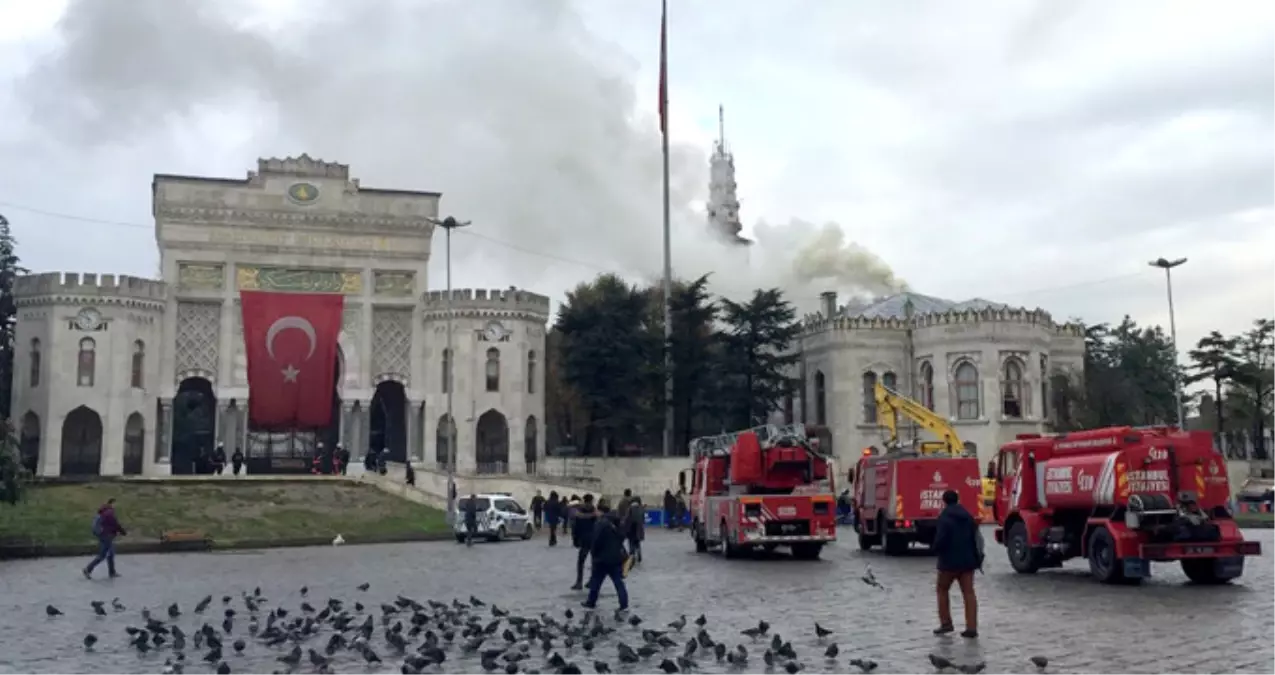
967, 403
869, 398
1044, 387
531, 372
821, 399
927, 385
1012, 403
86, 364
493, 369
139, 359
35, 363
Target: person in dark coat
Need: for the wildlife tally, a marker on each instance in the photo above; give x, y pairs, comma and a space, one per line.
236, 461
957, 543
537, 510
343, 459
553, 516
105, 527
471, 519
635, 527
670, 509
607, 549
219, 459
582, 537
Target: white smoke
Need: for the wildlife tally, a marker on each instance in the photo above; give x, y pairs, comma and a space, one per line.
522, 119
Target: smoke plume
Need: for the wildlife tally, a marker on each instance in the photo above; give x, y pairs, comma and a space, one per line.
522, 118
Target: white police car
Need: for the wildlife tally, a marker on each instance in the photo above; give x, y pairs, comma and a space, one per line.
499, 517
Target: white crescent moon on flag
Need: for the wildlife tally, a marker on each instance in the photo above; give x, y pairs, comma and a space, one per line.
284, 323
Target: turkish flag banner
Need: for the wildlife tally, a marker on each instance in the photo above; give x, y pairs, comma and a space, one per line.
290, 340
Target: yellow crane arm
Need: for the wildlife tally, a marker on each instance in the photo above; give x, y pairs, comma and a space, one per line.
891, 404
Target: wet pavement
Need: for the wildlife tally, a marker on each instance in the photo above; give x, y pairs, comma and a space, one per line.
1165, 625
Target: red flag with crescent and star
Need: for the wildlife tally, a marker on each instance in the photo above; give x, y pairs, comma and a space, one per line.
290, 340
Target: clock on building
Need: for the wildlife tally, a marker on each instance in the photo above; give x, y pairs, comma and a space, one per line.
88, 319
495, 331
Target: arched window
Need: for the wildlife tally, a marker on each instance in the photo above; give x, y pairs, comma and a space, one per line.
1012, 390
493, 369
87, 363
821, 399
869, 398
531, 372
35, 363
789, 412
966, 391
530, 445
139, 357
1044, 387
889, 379
446, 384
927, 385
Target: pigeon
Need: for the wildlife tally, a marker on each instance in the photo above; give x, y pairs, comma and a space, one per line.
870, 579
305, 590
1040, 662
669, 667
866, 665
821, 632
763, 626
318, 660
753, 633
174, 611
939, 662
239, 646
832, 651
679, 624
203, 604
364, 586
972, 669
792, 667
117, 605
223, 668
701, 621
601, 667
89, 641
52, 611
338, 540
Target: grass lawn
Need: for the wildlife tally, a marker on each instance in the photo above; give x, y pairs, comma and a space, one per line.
227, 511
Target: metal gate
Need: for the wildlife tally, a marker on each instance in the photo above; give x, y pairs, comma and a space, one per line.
280, 451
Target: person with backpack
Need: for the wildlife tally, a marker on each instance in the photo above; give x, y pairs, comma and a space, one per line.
635, 528
105, 528
606, 546
958, 543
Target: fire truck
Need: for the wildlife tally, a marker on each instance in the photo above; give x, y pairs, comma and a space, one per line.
764, 487
898, 493
1122, 497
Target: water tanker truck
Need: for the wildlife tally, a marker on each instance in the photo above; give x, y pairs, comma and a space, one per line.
1123, 498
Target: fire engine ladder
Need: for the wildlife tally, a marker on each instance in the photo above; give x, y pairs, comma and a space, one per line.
768, 435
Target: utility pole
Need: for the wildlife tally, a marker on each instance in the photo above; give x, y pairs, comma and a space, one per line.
667, 450
1167, 266
449, 223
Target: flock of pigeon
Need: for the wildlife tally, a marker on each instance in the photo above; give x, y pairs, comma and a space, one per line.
449, 637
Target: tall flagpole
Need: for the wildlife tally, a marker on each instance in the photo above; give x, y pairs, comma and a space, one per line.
668, 244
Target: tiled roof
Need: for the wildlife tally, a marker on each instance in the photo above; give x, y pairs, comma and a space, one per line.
893, 306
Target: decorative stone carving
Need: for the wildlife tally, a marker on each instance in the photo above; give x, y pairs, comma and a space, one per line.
351, 317
200, 276
391, 344
252, 278
198, 335
393, 283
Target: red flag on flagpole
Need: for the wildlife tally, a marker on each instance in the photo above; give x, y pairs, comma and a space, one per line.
664, 67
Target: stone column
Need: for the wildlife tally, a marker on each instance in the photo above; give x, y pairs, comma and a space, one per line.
347, 424
241, 432
411, 410
364, 427
218, 418
164, 437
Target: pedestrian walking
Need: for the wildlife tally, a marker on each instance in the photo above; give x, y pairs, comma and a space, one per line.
635, 528
219, 459
537, 510
582, 537
681, 509
470, 508
570, 518
343, 459
607, 548
105, 527
958, 543
621, 509
553, 516
410, 474
670, 509
236, 461
382, 458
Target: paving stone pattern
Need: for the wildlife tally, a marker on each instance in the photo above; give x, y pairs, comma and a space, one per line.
1165, 625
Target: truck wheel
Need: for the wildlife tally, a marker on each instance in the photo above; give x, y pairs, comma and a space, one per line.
1022, 558
866, 541
1203, 571
697, 533
1103, 563
806, 551
728, 549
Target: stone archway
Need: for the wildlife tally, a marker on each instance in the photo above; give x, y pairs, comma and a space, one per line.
492, 438
134, 444
194, 426
82, 443
388, 423
29, 442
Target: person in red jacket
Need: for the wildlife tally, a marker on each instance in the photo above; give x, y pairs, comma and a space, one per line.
105, 527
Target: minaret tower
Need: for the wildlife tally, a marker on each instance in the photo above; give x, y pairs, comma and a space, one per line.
723, 200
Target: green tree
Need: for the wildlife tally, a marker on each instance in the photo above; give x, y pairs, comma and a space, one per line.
9, 270
13, 475
603, 352
692, 345
1214, 359
756, 357
1251, 381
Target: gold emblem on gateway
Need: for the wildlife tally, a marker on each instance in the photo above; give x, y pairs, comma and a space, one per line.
303, 193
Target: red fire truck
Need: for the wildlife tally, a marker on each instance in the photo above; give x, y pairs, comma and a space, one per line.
762, 488
1122, 497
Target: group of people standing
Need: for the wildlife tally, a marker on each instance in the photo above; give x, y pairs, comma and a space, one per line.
214, 462
612, 537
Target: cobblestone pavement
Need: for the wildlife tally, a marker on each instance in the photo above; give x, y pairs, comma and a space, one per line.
1081, 626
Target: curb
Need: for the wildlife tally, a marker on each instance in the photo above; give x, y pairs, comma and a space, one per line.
40, 550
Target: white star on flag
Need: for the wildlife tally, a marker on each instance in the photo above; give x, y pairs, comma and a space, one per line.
290, 374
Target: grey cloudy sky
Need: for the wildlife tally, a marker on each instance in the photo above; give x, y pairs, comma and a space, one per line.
1036, 153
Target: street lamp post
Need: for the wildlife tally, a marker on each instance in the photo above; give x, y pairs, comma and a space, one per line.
1167, 266
449, 223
